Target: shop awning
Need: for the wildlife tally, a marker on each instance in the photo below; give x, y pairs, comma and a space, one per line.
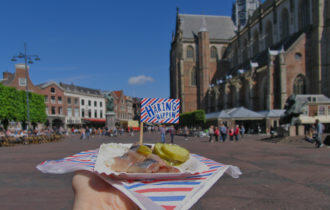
94, 120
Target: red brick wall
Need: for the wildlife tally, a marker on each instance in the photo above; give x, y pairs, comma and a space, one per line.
295, 66
58, 93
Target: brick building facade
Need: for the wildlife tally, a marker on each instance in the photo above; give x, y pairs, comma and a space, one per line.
283, 49
53, 93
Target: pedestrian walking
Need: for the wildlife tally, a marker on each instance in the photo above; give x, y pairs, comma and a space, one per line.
242, 130
211, 133
83, 134
186, 133
172, 133
319, 131
217, 134
162, 133
236, 132
223, 132
231, 134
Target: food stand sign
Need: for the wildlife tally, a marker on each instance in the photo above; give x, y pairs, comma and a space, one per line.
160, 110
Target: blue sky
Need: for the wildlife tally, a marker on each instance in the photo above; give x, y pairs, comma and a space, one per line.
98, 44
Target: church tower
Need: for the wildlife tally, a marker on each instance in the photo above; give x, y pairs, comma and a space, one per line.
242, 10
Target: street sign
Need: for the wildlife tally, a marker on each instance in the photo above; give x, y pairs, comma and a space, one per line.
160, 110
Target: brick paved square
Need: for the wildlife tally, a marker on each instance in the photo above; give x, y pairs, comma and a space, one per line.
275, 175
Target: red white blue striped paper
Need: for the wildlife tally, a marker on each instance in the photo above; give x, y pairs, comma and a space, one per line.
160, 110
153, 194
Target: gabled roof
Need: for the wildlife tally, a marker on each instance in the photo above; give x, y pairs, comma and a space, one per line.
244, 113
79, 90
217, 115
311, 97
275, 113
46, 84
219, 27
118, 93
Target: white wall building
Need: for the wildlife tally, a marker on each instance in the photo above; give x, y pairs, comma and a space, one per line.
91, 102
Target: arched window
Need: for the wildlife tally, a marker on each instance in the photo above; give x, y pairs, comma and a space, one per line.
269, 34
193, 77
303, 14
190, 52
255, 43
214, 52
299, 85
284, 23
245, 50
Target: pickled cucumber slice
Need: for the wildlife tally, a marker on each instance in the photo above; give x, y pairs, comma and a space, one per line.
158, 151
144, 150
175, 153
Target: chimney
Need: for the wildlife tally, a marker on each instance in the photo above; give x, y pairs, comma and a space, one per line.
6, 75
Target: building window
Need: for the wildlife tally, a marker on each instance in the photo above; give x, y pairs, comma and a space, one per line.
89, 113
76, 101
321, 110
82, 113
95, 113
82, 102
59, 99
95, 103
284, 23
298, 56
101, 104
52, 99
303, 14
299, 86
214, 52
69, 112
46, 99
269, 34
69, 100
60, 110
76, 112
52, 90
255, 45
53, 110
101, 114
193, 77
22, 82
190, 52
89, 103
47, 110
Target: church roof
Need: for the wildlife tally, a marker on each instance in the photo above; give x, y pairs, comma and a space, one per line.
219, 27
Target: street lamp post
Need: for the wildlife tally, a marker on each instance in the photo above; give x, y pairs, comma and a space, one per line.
28, 59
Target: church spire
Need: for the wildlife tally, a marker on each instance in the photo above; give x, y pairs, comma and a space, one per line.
203, 27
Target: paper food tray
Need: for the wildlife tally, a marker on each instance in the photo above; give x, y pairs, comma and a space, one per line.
108, 151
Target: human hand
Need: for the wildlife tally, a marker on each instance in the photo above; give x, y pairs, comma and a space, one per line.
92, 192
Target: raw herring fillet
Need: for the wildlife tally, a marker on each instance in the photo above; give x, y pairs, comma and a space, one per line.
122, 163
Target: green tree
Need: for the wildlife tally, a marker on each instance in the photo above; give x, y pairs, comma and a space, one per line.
193, 119
13, 106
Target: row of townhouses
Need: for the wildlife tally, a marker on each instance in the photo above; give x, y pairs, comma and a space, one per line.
70, 105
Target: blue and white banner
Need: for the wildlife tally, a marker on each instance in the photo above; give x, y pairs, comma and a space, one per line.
160, 110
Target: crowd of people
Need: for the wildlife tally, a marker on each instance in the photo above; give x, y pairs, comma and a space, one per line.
220, 133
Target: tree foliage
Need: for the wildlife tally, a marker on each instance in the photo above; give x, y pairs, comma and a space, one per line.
193, 119
13, 105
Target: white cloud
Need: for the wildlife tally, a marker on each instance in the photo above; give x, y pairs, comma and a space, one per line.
140, 80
